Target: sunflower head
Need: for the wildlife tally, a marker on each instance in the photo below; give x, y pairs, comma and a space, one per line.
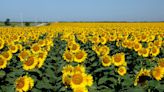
161, 62
35, 48
3, 62
106, 60
158, 73
118, 59
7, 55
80, 89
68, 69
68, 56
24, 83
142, 76
78, 80
121, 70
23, 55
155, 51
80, 56
30, 63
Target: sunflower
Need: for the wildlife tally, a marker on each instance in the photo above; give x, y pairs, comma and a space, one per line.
95, 39
19, 46
78, 80
155, 51
41, 43
158, 72
150, 45
161, 62
142, 76
103, 50
144, 52
2, 42
67, 69
137, 46
151, 38
23, 55
66, 79
80, 56
106, 60
118, 59
103, 40
41, 56
121, 70
3, 62
47, 48
79, 68
35, 48
158, 43
74, 47
24, 83
7, 55
80, 89
68, 56
144, 37
13, 48
30, 63
112, 37
89, 80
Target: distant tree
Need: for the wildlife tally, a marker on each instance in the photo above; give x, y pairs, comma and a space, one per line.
7, 22
27, 23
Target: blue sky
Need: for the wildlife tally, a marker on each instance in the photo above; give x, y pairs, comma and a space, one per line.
82, 10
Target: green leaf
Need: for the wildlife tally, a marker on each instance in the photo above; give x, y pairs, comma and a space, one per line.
44, 83
135, 90
100, 69
160, 87
102, 80
93, 89
35, 90
2, 73
106, 90
8, 88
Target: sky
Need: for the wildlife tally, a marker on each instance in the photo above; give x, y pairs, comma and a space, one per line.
82, 10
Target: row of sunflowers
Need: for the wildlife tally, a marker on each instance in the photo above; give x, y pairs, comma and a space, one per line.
82, 57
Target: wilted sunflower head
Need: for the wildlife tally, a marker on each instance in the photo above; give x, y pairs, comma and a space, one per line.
142, 76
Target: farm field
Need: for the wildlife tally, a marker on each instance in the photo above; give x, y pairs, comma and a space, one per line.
82, 57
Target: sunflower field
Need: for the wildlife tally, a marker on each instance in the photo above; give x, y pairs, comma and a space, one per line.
82, 57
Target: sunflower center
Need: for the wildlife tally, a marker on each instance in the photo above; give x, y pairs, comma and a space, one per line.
77, 79
12, 47
24, 54
36, 48
74, 47
158, 73
117, 58
20, 83
80, 55
136, 46
121, 70
41, 55
161, 64
68, 56
30, 61
6, 55
154, 50
1, 61
105, 60
144, 51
